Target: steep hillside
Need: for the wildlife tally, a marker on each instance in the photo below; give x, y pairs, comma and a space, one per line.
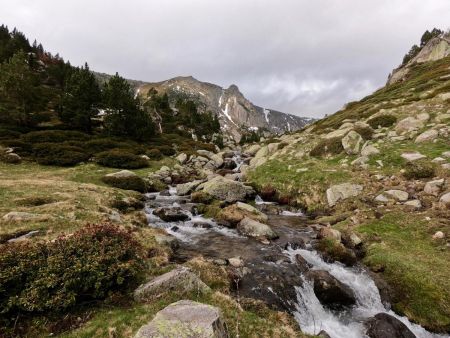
237, 115
380, 168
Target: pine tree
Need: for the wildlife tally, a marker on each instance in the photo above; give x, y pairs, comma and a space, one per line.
124, 117
81, 99
19, 92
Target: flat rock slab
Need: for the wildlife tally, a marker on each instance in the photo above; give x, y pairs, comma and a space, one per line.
412, 156
181, 280
185, 318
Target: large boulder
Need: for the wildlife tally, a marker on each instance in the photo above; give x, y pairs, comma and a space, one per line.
342, 191
185, 318
427, 136
180, 280
383, 325
125, 179
170, 214
187, 188
249, 227
352, 143
233, 214
226, 190
330, 291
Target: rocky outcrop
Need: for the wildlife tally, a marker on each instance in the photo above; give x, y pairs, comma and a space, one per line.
383, 325
185, 318
180, 280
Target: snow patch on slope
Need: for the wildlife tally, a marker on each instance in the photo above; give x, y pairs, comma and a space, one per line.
266, 114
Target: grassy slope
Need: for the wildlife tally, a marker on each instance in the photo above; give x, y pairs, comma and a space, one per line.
400, 242
77, 198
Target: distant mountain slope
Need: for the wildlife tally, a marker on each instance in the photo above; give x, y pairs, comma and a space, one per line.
236, 113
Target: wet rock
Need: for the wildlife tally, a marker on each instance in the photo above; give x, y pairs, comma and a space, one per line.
171, 214
227, 190
383, 325
187, 188
434, 187
352, 143
294, 245
302, 264
342, 191
323, 334
249, 227
330, 291
179, 280
185, 318
233, 214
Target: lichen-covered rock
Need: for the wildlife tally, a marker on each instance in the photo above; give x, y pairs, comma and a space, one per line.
185, 318
434, 187
217, 159
226, 190
412, 156
249, 227
179, 280
409, 124
341, 192
427, 136
445, 199
396, 194
187, 188
233, 214
352, 143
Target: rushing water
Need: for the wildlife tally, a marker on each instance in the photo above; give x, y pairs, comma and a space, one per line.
204, 236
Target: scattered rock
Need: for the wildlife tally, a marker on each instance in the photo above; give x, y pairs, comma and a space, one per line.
352, 143
171, 214
181, 158
252, 150
236, 262
438, 235
369, 150
445, 199
179, 280
412, 156
249, 227
342, 191
330, 291
187, 188
185, 318
217, 159
398, 195
409, 124
383, 325
427, 136
415, 204
434, 187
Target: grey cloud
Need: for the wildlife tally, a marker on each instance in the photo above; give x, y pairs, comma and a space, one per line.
299, 56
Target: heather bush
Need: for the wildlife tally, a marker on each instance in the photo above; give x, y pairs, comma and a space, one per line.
327, 146
382, 121
59, 154
119, 158
53, 276
419, 169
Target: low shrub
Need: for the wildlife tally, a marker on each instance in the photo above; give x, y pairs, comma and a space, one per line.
201, 197
419, 169
59, 154
101, 144
126, 204
119, 158
154, 154
10, 158
365, 132
327, 146
54, 136
127, 183
8, 134
386, 120
166, 150
53, 276
34, 201
20, 147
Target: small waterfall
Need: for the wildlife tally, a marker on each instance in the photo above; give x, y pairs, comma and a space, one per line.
313, 317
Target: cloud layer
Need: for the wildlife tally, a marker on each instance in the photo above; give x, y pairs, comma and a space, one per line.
299, 56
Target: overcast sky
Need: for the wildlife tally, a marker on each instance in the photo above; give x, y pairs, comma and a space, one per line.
307, 57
